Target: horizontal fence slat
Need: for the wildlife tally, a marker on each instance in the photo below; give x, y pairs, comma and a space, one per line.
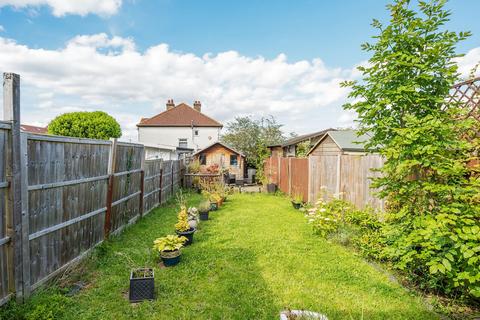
5, 125
5, 299
125, 198
151, 192
65, 224
66, 183
4, 241
4, 184
152, 177
40, 137
118, 174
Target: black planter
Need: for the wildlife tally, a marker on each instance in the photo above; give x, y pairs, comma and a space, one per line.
170, 258
296, 205
142, 285
204, 215
213, 206
187, 234
199, 190
271, 188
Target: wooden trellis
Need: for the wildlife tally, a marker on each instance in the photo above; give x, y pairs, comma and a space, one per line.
467, 94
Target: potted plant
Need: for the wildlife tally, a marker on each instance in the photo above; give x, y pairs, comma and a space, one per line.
297, 200
271, 187
204, 209
183, 228
192, 213
142, 285
169, 249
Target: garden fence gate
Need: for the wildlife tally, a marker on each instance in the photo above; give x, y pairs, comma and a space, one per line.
61, 196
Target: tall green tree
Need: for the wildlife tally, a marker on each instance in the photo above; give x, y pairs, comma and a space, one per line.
252, 136
433, 229
94, 125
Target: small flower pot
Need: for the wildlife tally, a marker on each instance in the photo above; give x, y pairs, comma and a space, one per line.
170, 258
296, 205
204, 215
142, 285
213, 206
271, 188
187, 234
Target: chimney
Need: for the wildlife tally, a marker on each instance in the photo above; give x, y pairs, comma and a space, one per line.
170, 104
197, 106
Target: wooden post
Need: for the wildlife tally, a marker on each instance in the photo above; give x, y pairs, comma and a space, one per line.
111, 170
11, 112
171, 176
25, 215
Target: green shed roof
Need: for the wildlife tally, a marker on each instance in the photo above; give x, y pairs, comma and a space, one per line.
347, 140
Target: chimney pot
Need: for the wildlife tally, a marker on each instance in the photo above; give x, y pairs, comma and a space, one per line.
170, 104
197, 105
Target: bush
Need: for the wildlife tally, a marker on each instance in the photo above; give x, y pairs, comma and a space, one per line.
93, 125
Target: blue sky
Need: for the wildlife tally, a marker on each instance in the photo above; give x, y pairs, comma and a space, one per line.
279, 37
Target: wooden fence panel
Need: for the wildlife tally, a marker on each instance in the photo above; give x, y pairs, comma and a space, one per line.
167, 180
126, 185
152, 184
323, 174
6, 266
67, 185
356, 173
283, 175
299, 172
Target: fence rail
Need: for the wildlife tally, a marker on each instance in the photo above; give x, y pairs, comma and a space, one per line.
61, 196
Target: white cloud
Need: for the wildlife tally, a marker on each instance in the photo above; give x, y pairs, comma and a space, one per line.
468, 62
109, 73
99, 72
64, 7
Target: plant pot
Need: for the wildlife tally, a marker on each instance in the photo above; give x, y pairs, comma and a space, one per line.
301, 314
296, 205
142, 285
199, 190
204, 215
271, 188
187, 234
213, 206
170, 258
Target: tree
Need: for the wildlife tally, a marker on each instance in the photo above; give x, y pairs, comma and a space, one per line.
252, 136
433, 225
94, 125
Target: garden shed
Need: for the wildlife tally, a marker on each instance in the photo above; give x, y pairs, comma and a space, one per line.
339, 164
224, 156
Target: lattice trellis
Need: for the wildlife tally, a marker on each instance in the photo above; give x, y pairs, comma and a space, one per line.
467, 94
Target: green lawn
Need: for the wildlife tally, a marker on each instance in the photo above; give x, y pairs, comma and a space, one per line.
255, 257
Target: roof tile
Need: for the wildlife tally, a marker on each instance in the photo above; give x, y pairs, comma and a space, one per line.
180, 116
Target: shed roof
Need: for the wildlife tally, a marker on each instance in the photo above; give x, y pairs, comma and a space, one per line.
304, 137
347, 140
223, 145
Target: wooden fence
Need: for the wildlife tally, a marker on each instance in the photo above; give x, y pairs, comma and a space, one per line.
290, 175
346, 175
60, 197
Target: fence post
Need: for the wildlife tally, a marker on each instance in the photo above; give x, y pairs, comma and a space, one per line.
142, 181
171, 176
11, 112
111, 170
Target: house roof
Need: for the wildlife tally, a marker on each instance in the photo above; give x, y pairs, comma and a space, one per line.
180, 116
33, 129
347, 140
223, 145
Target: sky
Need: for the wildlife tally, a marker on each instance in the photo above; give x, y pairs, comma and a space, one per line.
239, 58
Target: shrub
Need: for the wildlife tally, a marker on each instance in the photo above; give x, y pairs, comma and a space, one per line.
93, 125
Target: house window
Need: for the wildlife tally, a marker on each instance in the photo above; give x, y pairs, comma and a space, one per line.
196, 132
202, 158
183, 143
233, 160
